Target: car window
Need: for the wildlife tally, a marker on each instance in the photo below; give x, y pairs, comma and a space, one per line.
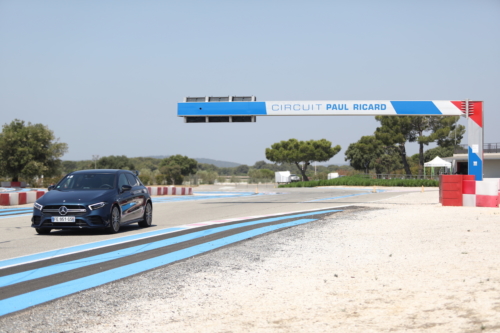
87, 181
122, 180
131, 179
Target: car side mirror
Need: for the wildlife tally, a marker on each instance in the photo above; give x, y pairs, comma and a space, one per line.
51, 187
126, 188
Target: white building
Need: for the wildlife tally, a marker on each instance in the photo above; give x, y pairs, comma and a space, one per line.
491, 167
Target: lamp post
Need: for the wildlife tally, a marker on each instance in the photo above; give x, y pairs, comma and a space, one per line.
95, 158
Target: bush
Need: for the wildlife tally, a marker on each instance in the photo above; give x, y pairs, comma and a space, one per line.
360, 181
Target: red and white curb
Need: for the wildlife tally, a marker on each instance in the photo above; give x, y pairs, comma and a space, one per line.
169, 190
20, 198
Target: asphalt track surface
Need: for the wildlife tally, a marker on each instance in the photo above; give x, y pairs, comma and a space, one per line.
35, 269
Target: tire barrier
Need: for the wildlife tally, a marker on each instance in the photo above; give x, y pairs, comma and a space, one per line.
20, 198
13, 184
463, 190
169, 190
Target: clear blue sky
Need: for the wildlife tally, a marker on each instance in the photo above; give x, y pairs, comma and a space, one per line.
106, 76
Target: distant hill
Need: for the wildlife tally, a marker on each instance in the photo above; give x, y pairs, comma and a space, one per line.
219, 164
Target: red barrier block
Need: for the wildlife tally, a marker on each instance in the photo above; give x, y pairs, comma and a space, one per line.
149, 190
469, 187
469, 177
191, 191
451, 194
159, 191
452, 187
451, 178
165, 190
4, 199
183, 191
174, 190
39, 194
486, 201
22, 198
452, 202
450, 190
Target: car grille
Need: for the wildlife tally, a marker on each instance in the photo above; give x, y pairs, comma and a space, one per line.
73, 210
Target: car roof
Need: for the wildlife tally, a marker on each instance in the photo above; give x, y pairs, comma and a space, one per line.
101, 171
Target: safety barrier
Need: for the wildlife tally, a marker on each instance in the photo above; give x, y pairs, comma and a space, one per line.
20, 198
463, 190
170, 190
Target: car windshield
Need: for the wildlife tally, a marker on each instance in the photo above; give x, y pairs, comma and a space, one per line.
87, 181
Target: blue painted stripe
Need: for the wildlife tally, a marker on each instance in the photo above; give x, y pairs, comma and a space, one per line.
415, 108
67, 266
476, 170
9, 209
221, 109
40, 296
26, 211
84, 247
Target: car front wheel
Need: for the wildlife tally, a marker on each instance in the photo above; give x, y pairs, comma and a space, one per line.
114, 225
41, 231
148, 216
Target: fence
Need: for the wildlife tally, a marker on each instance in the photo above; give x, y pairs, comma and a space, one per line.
487, 148
400, 176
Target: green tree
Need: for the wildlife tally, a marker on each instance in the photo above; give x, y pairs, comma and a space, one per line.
260, 165
430, 154
396, 131
362, 154
207, 167
115, 162
145, 176
29, 150
388, 161
241, 169
301, 153
429, 129
176, 167
257, 175
207, 177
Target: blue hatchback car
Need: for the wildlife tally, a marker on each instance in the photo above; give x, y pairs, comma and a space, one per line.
94, 199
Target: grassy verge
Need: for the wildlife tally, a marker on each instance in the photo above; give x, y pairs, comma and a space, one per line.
357, 181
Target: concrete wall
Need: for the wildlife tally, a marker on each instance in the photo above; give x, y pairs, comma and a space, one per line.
491, 168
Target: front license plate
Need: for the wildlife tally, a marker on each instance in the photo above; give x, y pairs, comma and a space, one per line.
63, 219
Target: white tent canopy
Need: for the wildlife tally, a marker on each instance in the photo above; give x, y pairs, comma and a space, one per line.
437, 162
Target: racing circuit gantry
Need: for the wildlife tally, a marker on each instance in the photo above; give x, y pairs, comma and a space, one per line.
237, 109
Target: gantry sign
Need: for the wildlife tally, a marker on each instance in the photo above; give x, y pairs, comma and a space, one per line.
245, 109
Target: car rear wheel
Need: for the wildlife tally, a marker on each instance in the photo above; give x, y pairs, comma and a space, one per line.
148, 216
114, 225
41, 231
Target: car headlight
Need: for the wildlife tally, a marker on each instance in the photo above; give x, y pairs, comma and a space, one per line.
97, 205
36, 205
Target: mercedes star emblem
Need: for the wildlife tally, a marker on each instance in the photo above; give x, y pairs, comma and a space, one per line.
63, 210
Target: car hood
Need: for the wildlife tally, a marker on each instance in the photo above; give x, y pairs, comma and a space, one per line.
74, 197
